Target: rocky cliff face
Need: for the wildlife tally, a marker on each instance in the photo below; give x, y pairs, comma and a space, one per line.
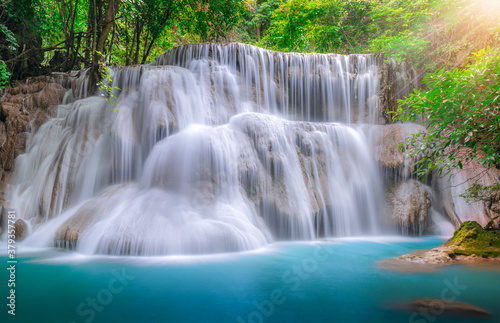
23, 109
397, 80
450, 189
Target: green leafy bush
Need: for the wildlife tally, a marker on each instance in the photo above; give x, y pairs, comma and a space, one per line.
462, 115
4, 75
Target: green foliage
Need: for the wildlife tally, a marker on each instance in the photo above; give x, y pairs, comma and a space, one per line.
478, 192
11, 45
140, 30
318, 26
18, 31
398, 26
462, 115
4, 75
11, 41
105, 85
256, 20
433, 34
212, 19
430, 33
147, 28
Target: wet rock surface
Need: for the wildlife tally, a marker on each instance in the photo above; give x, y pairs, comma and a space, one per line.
21, 229
24, 109
383, 140
408, 206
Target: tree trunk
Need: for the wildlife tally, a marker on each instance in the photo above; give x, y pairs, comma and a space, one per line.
127, 42
104, 28
137, 42
109, 20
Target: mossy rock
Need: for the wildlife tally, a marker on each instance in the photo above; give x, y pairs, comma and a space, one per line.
472, 239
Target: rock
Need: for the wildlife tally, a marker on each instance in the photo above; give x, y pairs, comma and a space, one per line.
457, 208
24, 108
470, 244
446, 307
87, 215
433, 256
21, 229
407, 205
383, 141
472, 240
421, 261
51, 94
398, 79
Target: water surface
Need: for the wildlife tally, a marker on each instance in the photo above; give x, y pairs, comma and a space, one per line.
328, 281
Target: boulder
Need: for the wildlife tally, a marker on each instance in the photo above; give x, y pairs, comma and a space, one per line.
87, 215
407, 205
433, 256
471, 244
21, 229
473, 240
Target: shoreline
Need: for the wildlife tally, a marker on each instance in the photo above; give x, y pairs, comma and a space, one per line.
432, 260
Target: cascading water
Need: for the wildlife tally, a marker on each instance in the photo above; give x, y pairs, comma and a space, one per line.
211, 148
314, 87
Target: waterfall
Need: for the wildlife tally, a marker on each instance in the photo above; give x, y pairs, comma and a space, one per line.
312, 87
211, 148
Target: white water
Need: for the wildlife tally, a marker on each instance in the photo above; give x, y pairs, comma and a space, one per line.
213, 154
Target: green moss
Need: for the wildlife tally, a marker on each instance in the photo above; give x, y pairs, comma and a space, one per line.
472, 239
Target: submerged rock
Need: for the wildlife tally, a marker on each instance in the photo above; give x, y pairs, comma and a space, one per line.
445, 307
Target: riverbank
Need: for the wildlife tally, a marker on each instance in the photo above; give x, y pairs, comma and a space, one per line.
470, 245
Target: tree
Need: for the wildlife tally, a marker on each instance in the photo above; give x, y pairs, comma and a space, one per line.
323, 26
18, 26
104, 15
461, 111
256, 20
66, 34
